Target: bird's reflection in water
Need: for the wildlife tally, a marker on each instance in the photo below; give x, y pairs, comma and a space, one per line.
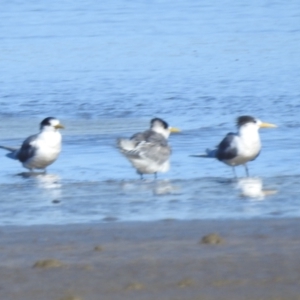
252, 187
50, 185
48, 181
157, 187
31, 174
165, 187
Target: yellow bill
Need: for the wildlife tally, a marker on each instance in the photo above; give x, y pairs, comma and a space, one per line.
174, 130
59, 126
267, 125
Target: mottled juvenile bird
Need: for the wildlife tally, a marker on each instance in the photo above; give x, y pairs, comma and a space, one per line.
40, 150
239, 148
149, 151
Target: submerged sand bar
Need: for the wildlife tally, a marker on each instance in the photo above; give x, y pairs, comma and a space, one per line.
255, 259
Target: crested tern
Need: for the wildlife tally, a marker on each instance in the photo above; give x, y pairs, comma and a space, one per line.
241, 147
149, 151
40, 150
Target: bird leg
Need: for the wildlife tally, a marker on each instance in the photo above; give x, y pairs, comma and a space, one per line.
247, 171
234, 173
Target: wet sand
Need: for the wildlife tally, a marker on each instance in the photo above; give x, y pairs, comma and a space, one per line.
250, 259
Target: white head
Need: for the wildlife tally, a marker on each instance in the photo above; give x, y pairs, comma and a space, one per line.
248, 123
50, 124
160, 126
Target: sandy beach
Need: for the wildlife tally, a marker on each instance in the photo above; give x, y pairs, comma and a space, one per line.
251, 259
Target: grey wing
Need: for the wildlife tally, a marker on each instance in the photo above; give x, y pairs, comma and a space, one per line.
227, 148
156, 152
27, 150
142, 136
148, 145
155, 147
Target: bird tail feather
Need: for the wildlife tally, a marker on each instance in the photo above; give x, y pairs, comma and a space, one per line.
209, 154
125, 144
12, 151
12, 155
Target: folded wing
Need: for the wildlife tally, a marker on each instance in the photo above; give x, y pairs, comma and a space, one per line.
227, 148
147, 145
27, 149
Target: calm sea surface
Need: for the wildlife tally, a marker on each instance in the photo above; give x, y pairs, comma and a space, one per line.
105, 68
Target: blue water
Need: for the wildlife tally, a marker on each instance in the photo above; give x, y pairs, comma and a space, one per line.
105, 68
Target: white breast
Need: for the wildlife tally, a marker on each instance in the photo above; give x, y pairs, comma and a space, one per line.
48, 147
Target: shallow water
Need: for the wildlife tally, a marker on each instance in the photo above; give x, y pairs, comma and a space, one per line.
106, 68
47, 199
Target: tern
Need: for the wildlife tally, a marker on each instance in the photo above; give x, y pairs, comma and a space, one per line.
40, 150
149, 151
241, 147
